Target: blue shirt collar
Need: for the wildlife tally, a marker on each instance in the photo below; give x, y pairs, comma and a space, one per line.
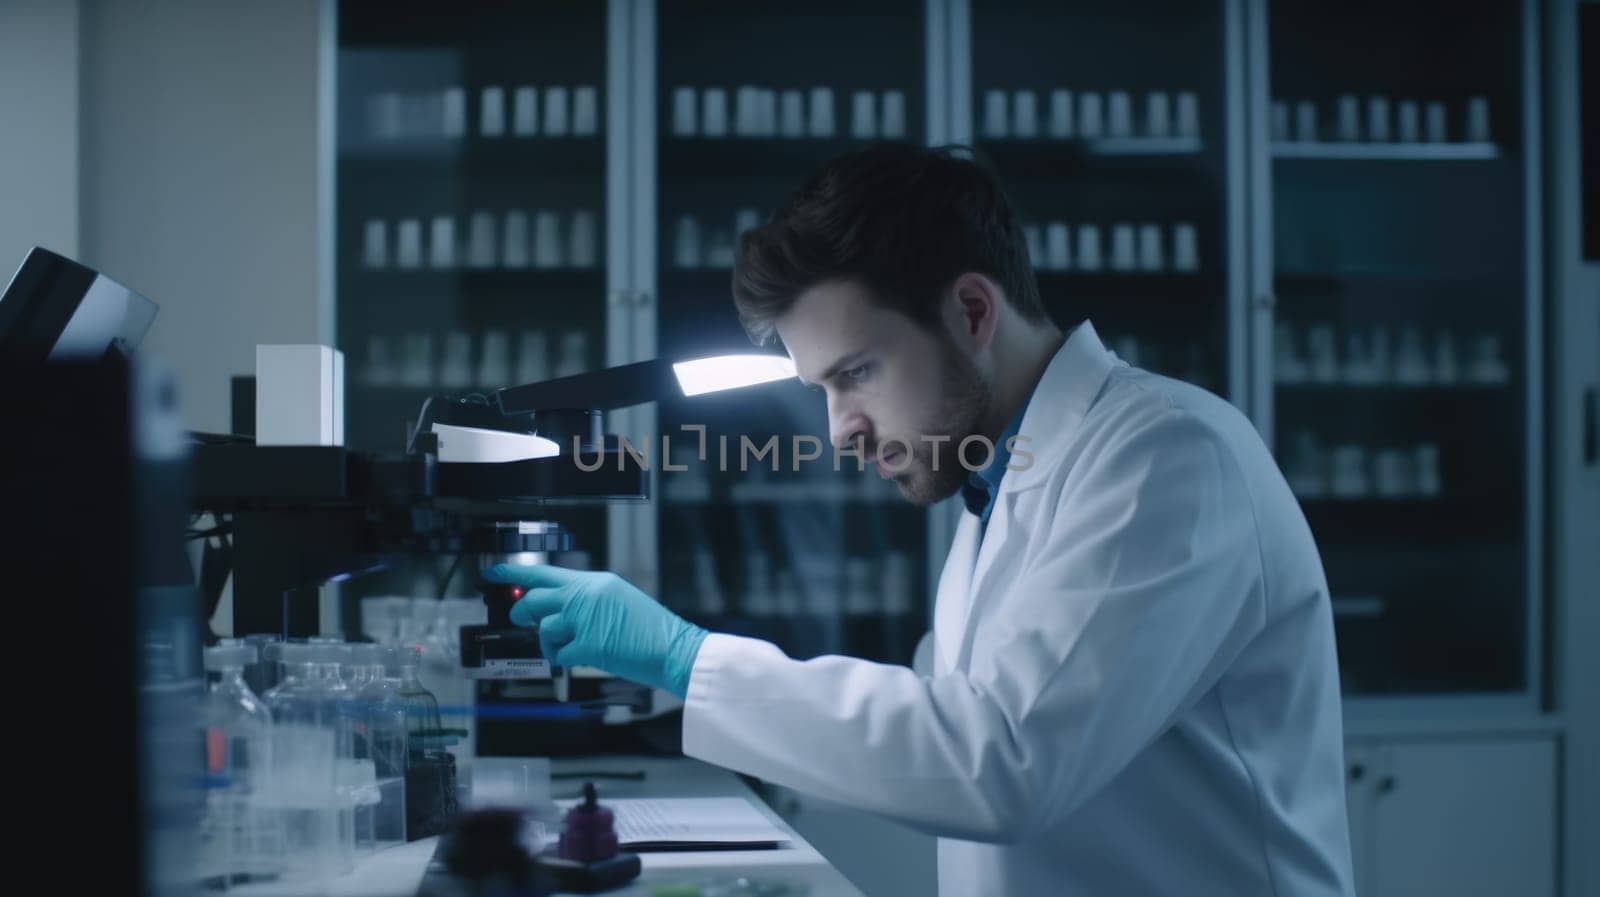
984, 484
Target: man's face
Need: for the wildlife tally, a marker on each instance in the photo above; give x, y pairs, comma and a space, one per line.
889, 382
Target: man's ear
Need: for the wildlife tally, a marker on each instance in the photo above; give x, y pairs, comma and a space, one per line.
973, 310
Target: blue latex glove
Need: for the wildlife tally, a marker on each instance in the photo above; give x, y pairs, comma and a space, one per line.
599, 619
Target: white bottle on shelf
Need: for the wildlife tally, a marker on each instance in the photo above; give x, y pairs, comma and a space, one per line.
481, 241
1323, 354
492, 112
380, 369
1357, 369
719, 248
1410, 362
546, 239
1395, 474
408, 244
1438, 128
1124, 255
1288, 367
1426, 460
525, 111
686, 253
1188, 125
1488, 366
1349, 118
1446, 371
767, 112
709, 598
821, 123
514, 240
1350, 478
494, 365
1034, 236
1381, 359
685, 121
793, 120
418, 369
375, 244
1091, 116
557, 116
1057, 248
1408, 122
744, 111
1157, 115
745, 219
574, 356
1119, 114
1061, 118
898, 584
533, 357
714, 112
455, 371
1185, 247
583, 249
385, 120
1089, 254
894, 115
1024, 115
1281, 132
1305, 468
1305, 121
442, 242
453, 113
1478, 120
1151, 256
585, 111
996, 121
863, 115
1378, 119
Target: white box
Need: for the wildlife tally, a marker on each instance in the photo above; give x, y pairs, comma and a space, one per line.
299, 395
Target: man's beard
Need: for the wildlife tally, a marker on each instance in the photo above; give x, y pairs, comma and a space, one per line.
964, 403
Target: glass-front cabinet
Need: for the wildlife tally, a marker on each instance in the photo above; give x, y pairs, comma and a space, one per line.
1326, 213
1112, 136
471, 202
1397, 373
750, 100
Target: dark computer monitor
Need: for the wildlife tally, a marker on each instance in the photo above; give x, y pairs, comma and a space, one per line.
57, 310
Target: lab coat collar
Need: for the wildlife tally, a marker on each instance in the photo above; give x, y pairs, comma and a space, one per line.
1070, 384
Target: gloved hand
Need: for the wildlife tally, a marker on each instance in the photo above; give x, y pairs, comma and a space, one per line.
599, 619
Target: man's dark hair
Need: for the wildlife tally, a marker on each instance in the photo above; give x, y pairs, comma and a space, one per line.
901, 220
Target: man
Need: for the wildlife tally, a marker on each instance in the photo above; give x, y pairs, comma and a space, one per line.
1132, 687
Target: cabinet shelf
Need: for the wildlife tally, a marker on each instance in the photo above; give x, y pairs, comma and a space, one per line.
471, 281
718, 158
1395, 152
1413, 522
1053, 159
511, 158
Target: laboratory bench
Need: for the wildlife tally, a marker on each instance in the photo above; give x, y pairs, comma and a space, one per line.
399, 871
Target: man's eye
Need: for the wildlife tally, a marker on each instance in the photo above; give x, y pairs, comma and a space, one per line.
859, 372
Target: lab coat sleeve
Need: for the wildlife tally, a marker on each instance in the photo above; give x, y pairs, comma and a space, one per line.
1146, 585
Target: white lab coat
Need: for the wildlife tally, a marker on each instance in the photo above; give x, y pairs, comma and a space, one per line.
1134, 688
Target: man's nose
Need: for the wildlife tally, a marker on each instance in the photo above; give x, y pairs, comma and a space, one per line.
847, 425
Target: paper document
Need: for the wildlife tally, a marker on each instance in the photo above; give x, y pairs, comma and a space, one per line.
690, 823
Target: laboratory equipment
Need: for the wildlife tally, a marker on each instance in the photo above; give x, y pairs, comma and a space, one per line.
383, 739
307, 731
244, 839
